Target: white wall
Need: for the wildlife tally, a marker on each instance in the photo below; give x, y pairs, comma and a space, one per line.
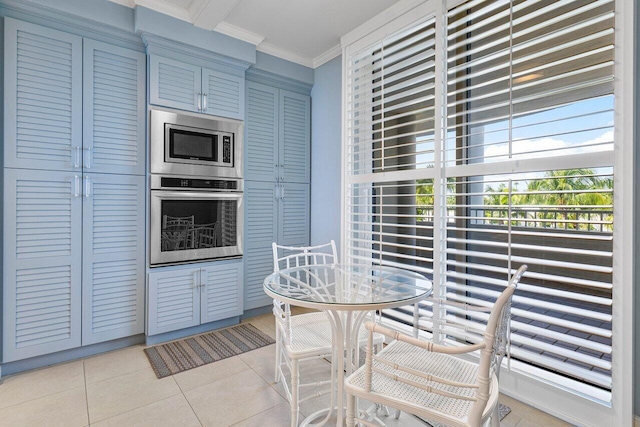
326, 152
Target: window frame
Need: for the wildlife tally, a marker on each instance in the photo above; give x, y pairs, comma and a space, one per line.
524, 382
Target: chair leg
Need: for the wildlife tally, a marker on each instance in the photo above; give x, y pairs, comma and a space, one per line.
495, 417
351, 410
295, 385
278, 356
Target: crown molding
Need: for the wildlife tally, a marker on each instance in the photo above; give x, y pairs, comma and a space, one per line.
268, 48
129, 3
61, 20
327, 56
276, 80
174, 49
388, 15
238, 33
172, 10
196, 8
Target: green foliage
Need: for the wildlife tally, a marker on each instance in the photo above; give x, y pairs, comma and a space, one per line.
574, 199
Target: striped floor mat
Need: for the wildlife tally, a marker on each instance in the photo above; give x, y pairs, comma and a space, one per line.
177, 356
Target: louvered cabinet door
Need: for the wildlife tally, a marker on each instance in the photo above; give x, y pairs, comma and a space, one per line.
225, 94
173, 300
113, 257
42, 97
261, 133
174, 83
295, 137
114, 109
221, 293
294, 215
261, 230
42, 263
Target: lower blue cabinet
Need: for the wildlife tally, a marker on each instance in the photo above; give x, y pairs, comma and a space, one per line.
185, 296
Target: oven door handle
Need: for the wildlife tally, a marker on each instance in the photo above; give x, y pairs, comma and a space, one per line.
181, 195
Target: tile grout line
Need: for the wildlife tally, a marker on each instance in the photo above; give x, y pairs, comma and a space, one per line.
120, 375
270, 386
62, 390
86, 392
188, 403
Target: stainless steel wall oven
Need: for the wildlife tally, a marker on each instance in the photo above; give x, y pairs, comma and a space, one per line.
196, 188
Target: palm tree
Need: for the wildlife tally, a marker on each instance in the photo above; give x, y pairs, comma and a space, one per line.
561, 196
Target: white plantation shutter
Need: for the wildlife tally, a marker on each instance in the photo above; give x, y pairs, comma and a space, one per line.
391, 91
510, 163
390, 128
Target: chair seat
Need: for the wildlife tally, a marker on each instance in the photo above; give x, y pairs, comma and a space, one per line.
311, 335
420, 402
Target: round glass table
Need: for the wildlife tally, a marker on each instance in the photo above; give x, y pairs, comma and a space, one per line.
347, 293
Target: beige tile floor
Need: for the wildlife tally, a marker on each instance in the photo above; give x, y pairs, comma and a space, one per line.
120, 389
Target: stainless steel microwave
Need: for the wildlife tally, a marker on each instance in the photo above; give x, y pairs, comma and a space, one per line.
189, 144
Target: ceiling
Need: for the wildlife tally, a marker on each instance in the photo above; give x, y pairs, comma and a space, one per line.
304, 31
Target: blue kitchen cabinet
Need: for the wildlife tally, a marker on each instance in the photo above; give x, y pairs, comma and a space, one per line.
176, 84
274, 213
42, 262
42, 97
277, 135
221, 291
114, 125
261, 133
185, 296
294, 127
113, 264
277, 176
74, 200
261, 230
293, 214
69, 107
173, 300
74, 264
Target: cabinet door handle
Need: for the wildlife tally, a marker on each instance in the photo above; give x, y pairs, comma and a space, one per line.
76, 156
76, 186
196, 279
203, 280
277, 192
199, 101
87, 186
88, 158
282, 192
204, 102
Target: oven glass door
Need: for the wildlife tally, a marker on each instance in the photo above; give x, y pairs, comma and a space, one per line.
191, 225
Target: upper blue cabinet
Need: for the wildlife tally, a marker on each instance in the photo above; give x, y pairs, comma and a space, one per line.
69, 107
277, 135
176, 84
114, 122
42, 98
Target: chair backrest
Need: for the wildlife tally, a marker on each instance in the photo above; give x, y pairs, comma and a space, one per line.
495, 340
296, 256
168, 221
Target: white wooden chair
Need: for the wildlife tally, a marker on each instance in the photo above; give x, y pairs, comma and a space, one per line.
428, 380
306, 336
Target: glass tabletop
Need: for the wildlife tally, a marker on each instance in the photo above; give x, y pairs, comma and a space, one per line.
347, 284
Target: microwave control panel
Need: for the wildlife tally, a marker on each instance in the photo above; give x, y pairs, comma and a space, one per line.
226, 149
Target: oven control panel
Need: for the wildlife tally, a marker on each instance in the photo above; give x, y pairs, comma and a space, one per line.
184, 183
